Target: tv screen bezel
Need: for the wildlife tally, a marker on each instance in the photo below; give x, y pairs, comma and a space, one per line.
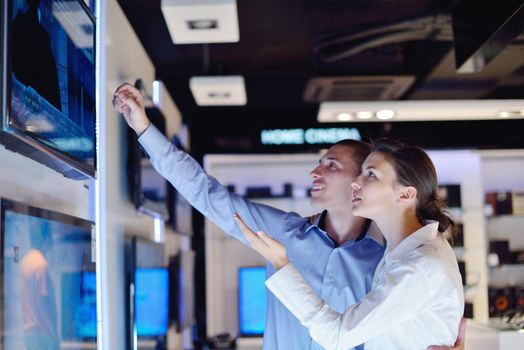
22, 141
22, 208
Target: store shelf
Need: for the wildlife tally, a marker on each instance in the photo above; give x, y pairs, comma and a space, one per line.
509, 266
506, 217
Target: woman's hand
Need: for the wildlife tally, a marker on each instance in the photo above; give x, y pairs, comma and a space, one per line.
128, 100
272, 250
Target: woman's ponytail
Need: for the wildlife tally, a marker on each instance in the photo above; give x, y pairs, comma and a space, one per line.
432, 210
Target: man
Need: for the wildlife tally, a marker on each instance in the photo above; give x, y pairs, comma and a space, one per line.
37, 292
337, 253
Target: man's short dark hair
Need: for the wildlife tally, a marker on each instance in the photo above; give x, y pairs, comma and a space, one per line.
360, 149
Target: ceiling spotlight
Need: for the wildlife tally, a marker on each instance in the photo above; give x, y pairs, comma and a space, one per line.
343, 117
422, 110
385, 114
201, 21
364, 115
202, 24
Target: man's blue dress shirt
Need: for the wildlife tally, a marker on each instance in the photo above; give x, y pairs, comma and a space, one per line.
340, 275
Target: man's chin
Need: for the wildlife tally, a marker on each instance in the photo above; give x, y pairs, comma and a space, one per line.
316, 203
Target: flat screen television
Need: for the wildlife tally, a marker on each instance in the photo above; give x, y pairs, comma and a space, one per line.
181, 289
151, 301
148, 295
48, 83
251, 300
47, 283
148, 189
78, 305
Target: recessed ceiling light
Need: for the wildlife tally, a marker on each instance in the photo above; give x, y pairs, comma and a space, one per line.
364, 114
202, 24
218, 90
344, 117
504, 114
422, 110
201, 21
385, 114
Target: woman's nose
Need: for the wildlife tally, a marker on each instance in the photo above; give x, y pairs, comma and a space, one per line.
355, 184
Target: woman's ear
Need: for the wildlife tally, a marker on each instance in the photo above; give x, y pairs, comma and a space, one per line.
408, 194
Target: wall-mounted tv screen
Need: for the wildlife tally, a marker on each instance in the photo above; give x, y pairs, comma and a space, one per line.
48, 83
48, 283
181, 289
148, 295
78, 305
151, 301
251, 300
148, 189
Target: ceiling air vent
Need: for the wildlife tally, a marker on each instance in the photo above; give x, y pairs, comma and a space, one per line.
357, 88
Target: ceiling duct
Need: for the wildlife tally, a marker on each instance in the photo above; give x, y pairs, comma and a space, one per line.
436, 28
357, 88
482, 29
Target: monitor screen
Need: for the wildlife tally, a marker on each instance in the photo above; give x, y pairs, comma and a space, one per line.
251, 300
148, 189
47, 285
50, 77
151, 301
78, 305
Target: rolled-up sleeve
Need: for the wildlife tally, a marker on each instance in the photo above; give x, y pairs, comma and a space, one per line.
400, 293
208, 195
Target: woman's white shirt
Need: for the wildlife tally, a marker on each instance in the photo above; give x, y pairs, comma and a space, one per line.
416, 299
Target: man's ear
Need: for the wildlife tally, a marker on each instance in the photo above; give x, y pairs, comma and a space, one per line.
408, 194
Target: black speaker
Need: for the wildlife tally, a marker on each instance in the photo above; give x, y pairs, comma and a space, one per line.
450, 194
501, 248
258, 192
501, 300
458, 240
519, 298
500, 202
468, 310
462, 270
288, 190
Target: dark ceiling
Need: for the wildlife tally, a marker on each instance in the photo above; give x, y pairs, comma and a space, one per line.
285, 43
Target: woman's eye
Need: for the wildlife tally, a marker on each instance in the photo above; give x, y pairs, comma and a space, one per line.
371, 174
332, 165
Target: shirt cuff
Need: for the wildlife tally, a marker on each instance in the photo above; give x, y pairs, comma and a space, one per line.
153, 141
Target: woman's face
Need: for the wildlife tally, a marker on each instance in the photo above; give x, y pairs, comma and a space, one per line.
376, 190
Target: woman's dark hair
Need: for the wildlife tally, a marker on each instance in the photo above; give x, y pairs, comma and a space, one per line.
360, 150
413, 167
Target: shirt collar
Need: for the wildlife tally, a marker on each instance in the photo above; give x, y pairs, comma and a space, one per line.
317, 219
372, 231
426, 233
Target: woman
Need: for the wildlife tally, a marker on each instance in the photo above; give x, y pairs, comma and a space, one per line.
416, 298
